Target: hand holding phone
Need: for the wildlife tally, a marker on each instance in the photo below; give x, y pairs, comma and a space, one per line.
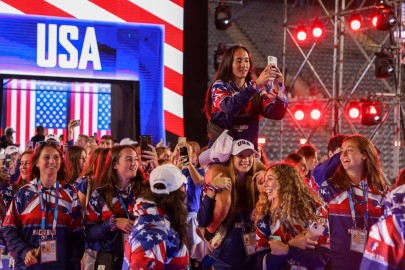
272, 61
315, 230
145, 140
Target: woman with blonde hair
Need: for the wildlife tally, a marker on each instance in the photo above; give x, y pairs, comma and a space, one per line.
283, 217
230, 197
355, 195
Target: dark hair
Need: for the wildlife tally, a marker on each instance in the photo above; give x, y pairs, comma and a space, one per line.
109, 177
307, 150
172, 205
72, 161
401, 178
107, 137
85, 137
225, 74
35, 173
372, 169
294, 158
335, 142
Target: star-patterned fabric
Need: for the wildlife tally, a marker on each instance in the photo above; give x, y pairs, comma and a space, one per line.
153, 243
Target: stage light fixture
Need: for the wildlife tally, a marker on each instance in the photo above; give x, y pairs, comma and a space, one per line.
385, 19
223, 16
261, 140
370, 113
384, 65
219, 54
353, 110
355, 21
374, 19
301, 33
317, 29
299, 113
315, 114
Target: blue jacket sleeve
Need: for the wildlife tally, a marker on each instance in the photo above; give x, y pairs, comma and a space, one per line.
99, 232
228, 102
274, 110
18, 248
205, 213
326, 169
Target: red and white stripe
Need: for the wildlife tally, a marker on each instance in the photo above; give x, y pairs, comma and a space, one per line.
162, 12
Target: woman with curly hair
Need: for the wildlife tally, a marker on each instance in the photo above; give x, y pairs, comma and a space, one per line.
159, 236
75, 160
355, 195
283, 216
109, 215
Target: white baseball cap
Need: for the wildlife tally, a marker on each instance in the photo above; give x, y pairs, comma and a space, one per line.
12, 149
128, 141
52, 138
168, 175
219, 152
241, 145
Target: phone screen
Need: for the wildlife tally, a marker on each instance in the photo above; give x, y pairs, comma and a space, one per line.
184, 154
145, 140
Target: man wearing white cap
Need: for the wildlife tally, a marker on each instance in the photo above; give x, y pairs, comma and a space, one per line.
159, 234
12, 162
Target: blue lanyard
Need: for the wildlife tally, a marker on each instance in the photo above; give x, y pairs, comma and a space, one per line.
43, 209
123, 204
364, 185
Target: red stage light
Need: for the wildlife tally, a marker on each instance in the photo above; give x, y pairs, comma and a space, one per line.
374, 20
315, 114
355, 21
317, 29
353, 110
299, 114
301, 33
371, 114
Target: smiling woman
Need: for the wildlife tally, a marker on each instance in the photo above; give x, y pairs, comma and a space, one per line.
355, 195
109, 216
45, 213
229, 198
235, 101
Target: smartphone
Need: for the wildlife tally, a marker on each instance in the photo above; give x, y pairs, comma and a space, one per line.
30, 145
316, 230
183, 153
182, 141
7, 161
144, 141
272, 61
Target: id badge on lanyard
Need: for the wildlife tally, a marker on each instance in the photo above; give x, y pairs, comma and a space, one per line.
48, 247
249, 241
358, 237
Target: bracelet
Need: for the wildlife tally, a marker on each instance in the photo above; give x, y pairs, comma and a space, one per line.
112, 223
213, 189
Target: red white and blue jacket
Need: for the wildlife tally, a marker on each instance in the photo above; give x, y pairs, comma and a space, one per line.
101, 232
22, 225
386, 243
153, 243
340, 221
232, 108
310, 258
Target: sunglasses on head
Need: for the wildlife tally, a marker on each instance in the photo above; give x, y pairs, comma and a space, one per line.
50, 142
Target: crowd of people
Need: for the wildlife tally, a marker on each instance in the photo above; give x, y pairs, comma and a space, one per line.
100, 204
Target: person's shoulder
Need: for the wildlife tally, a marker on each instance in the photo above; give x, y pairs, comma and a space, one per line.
215, 169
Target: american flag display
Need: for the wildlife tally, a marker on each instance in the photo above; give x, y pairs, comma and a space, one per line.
168, 14
30, 103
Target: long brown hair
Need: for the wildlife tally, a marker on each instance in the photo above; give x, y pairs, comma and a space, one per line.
35, 173
297, 204
247, 188
72, 161
225, 74
173, 205
372, 170
88, 169
109, 177
21, 182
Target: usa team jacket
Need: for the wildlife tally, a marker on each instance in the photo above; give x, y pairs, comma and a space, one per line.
99, 220
340, 221
386, 243
153, 243
232, 108
23, 221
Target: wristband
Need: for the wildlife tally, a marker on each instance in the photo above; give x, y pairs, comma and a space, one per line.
254, 85
213, 189
112, 223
